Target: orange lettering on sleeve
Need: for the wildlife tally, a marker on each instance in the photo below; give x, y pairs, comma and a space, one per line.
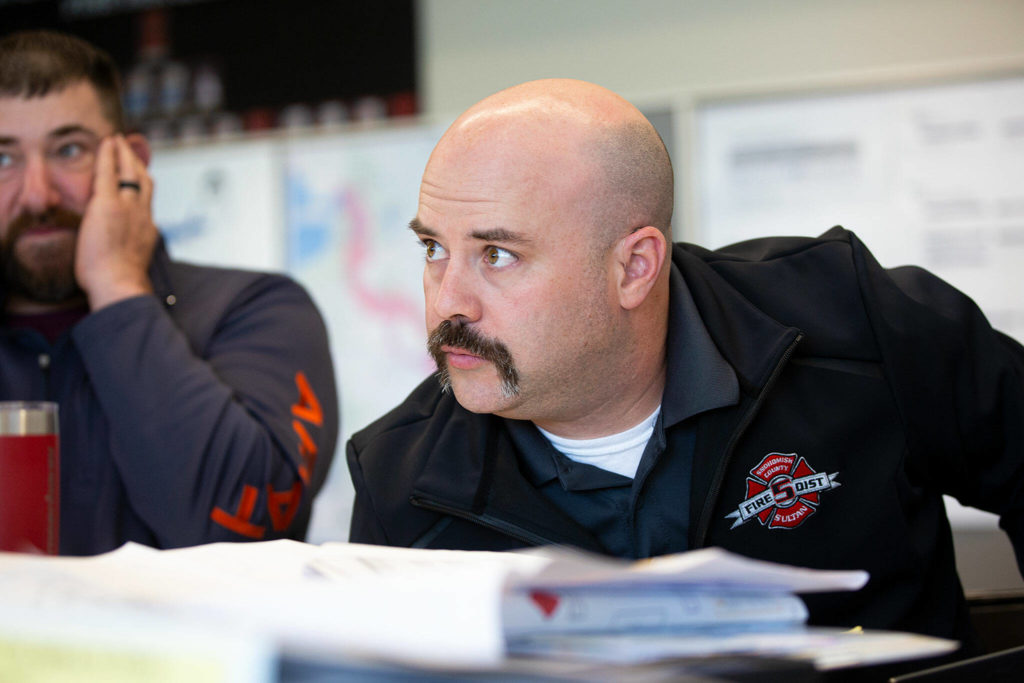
240, 522
283, 505
308, 407
307, 449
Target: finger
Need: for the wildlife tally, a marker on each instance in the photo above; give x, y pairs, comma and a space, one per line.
132, 175
106, 172
134, 171
128, 165
146, 181
141, 187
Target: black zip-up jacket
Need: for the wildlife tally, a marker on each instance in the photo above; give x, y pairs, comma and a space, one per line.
204, 412
865, 394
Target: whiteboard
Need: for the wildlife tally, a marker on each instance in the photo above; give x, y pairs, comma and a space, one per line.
932, 176
221, 204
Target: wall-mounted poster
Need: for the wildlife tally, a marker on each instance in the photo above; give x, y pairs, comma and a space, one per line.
929, 176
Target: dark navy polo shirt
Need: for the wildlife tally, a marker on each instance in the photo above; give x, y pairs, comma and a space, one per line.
647, 515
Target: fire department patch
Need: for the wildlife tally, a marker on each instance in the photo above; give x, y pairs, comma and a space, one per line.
782, 492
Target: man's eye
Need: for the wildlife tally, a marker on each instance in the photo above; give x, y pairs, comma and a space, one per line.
6, 160
498, 257
435, 252
73, 152
70, 150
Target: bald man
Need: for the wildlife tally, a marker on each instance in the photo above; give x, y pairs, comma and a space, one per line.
600, 387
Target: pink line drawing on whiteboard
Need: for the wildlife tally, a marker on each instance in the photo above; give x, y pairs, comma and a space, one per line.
356, 256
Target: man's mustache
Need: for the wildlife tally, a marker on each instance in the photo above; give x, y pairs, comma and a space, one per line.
460, 336
56, 217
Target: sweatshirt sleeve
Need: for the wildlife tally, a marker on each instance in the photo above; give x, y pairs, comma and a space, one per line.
959, 385
222, 438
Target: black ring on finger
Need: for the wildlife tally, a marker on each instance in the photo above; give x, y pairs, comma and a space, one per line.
129, 185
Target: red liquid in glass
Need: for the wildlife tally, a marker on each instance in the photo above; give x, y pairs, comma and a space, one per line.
29, 493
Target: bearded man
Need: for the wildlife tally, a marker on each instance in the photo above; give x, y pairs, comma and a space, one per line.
196, 404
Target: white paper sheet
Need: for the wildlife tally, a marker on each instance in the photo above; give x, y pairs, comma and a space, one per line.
452, 620
555, 567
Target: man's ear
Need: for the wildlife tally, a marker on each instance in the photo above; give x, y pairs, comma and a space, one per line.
140, 145
641, 258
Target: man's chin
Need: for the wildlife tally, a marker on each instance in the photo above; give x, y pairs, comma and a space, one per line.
44, 286
483, 397
42, 269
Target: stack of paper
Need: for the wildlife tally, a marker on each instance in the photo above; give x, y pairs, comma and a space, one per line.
707, 591
555, 602
656, 609
423, 608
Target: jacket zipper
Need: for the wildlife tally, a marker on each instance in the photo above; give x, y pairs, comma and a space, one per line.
488, 521
716, 488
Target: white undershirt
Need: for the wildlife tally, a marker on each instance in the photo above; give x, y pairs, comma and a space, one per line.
619, 453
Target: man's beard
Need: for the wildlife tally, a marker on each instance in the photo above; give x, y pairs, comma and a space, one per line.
51, 279
461, 336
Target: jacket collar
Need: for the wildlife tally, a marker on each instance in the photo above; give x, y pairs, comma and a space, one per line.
698, 378
751, 341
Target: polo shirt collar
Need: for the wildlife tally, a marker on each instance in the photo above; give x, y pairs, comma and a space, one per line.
542, 462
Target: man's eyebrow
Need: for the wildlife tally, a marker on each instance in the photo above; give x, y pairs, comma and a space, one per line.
499, 235
421, 229
72, 129
488, 235
63, 131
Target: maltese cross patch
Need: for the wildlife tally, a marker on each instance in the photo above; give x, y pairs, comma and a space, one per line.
783, 491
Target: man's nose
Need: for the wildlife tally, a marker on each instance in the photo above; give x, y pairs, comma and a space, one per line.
457, 293
37, 190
